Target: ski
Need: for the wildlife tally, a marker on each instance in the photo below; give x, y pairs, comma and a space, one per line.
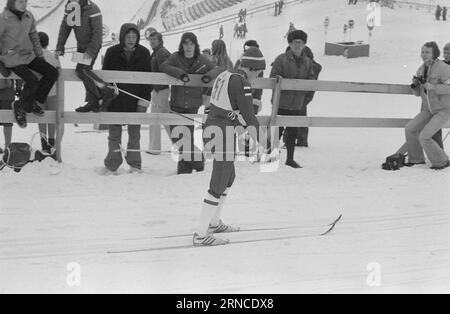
331, 225
181, 243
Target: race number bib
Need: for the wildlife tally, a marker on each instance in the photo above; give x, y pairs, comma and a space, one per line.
74, 17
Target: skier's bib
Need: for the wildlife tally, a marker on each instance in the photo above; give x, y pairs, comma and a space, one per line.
219, 94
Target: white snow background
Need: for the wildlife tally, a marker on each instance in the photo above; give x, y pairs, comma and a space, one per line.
52, 215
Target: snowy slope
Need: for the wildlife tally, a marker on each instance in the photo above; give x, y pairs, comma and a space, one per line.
52, 215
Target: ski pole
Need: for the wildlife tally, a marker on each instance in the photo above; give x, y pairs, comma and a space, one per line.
148, 102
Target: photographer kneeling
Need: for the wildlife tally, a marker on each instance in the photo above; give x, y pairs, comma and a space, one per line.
434, 114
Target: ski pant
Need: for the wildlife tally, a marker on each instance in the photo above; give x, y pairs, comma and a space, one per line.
160, 104
437, 138
222, 177
114, 158
291, 133
36, 89
419, 137
193, 158
84, 72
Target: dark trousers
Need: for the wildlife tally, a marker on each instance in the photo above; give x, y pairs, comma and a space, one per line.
84, 72
222, 177
35, 89
192, 159
291, 134
114, 158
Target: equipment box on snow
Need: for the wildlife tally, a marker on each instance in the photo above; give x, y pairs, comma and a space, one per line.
347, 49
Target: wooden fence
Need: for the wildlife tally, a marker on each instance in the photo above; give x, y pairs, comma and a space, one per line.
62, 117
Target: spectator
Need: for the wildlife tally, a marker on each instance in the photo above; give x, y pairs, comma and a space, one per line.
302, 139
85, 18
6, 100
187, 100
435, 112
256, 93
160, 93
48, 131
129, 55
208, 54
293, 65
21, 53
444, 14
220, 55
438, 12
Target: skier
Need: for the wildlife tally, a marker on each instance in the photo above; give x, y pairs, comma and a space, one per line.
21, 53
85, 18
291, 29
444, 14
438, 12
221, 34
231, 94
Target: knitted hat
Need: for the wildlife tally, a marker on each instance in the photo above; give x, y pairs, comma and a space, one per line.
297, 34
253, 59
251, 43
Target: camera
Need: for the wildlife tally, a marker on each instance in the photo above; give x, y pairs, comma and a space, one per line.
417, 81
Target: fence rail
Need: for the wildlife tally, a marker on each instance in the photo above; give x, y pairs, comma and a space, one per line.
61, 117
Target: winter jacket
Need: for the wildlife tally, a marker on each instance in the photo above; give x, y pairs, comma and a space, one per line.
288, 66
158, 57
438, 73
88, 33
115, 60
317, 68
177, 65
19, 40
7, 90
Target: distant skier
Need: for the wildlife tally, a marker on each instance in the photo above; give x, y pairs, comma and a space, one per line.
231, 95
444, 14
291, 29
221, 33
438, 12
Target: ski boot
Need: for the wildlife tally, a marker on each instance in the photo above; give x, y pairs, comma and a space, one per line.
208, 240
222, 228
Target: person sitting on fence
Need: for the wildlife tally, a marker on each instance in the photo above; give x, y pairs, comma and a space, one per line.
160, 93
21, 53
48, 131
85, 18
188, 100
293, 65
6, 100
129, 55
435, 111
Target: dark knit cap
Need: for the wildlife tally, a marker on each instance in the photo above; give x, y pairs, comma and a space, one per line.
253, 59
297, 34
251, 43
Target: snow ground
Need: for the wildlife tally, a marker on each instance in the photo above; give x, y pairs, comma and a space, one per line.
56, 214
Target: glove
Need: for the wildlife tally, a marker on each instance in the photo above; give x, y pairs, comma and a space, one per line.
394, 162
185, 78
4, 71
142, 106
206, 79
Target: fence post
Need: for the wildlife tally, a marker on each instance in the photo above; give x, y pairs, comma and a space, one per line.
60, 115
275, 106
